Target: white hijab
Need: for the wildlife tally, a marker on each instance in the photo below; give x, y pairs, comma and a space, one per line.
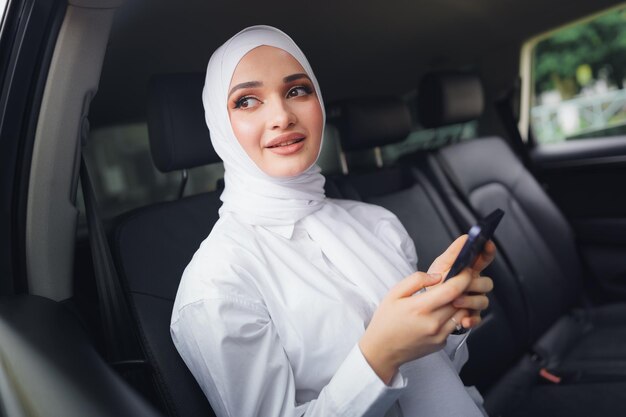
260, 199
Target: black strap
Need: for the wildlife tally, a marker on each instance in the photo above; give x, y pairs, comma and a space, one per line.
447, 174
121, 341
504, 107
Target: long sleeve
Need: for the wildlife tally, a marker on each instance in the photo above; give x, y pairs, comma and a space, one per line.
232, 348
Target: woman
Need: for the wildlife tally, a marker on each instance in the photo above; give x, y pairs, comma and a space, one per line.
300, 305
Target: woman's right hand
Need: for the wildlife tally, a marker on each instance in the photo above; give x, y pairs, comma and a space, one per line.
405, 326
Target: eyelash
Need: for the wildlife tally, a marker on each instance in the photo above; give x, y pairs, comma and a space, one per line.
239, 101
307, 90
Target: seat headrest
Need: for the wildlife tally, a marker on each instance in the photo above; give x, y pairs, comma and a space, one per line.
366, 123
446, 98
179, 137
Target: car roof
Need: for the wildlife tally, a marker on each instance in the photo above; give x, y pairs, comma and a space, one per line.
356, 48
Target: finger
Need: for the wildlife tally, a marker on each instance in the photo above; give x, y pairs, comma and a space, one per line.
444, 261
486, 256
441, 315
443, 294
441, 319
471, 321
412, 284
480, 285
472, 302
457, 318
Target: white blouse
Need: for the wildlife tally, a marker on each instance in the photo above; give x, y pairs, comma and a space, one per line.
269, 327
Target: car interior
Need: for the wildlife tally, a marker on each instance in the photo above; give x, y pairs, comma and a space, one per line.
109, 184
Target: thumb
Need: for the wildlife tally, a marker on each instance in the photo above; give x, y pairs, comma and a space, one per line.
444, 261
412, 284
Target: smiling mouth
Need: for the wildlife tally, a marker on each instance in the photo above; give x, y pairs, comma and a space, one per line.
286, 143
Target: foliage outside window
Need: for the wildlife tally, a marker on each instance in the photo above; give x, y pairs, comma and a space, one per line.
579, 77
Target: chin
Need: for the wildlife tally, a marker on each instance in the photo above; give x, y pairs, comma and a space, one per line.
287, 171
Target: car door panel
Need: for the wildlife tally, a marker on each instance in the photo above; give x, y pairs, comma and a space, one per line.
586, 179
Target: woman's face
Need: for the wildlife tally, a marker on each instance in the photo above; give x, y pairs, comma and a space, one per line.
274, 112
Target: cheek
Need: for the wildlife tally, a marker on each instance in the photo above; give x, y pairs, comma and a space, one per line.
315, 121
247, 132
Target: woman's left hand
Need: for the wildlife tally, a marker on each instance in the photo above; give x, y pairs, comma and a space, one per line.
475, 299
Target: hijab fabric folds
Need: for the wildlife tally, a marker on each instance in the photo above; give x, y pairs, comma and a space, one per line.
249, 192
261, 200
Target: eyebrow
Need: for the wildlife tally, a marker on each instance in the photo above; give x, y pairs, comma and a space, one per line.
255, 84
295, 77
248, 84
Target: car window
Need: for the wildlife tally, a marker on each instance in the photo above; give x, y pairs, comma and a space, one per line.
125, 177
421, 138
578, 76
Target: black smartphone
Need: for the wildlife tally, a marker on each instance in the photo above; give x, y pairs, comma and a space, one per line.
478, 235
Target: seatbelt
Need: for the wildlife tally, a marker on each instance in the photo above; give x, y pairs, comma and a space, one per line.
121, 341
504, 107
446, 178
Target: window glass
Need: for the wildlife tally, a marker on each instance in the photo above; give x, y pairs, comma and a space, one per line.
125, 177
578, 75
421, 138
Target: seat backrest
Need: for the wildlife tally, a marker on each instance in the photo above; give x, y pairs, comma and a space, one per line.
152, 245
405, 190
534, 236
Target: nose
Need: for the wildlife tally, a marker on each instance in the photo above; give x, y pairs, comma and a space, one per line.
281, 116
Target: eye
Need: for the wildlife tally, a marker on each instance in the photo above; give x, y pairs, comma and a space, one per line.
301, 90
247, 102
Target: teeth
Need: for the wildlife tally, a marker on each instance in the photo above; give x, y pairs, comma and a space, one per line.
291, 142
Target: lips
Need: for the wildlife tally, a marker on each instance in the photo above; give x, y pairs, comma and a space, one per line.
287, 144
285, 140
290, 142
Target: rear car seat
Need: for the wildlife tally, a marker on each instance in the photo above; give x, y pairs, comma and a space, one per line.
402, 188
479, 175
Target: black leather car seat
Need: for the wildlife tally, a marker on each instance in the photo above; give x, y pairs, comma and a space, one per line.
476, 176
152, 245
